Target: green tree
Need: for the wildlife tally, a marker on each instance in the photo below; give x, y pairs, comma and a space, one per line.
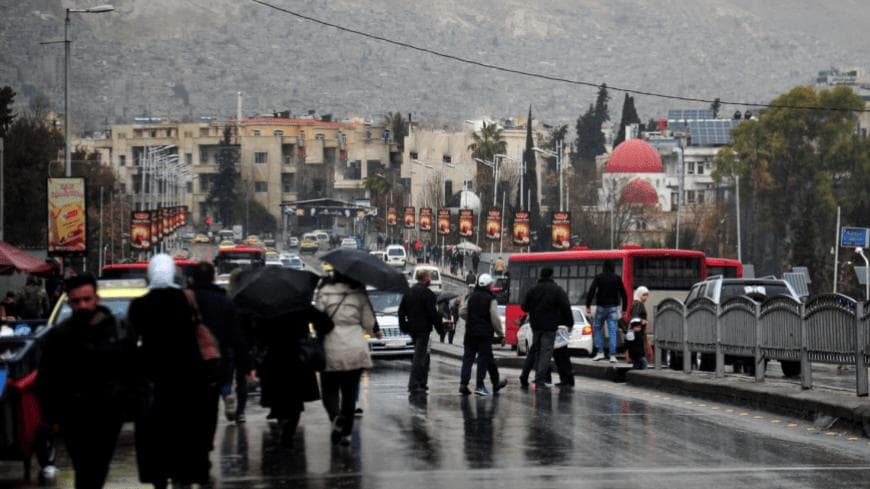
259, 219
223, 195
485, 144
398, 126
629, 116
530, 187
784, 160
7, 98
590, 140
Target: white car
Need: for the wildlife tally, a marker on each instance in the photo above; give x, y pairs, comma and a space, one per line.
274, 263
349, 244
380, 254
396, 256
292, 261
394, 343
435, 285
580, 335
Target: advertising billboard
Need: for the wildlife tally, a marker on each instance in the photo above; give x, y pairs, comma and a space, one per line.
521, 228
493, 224
140, 230
466, 223
67, 220
561, 234
443, 222
391, 216
410, 218
426, 219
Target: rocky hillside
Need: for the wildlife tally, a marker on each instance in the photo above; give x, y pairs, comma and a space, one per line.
186, 58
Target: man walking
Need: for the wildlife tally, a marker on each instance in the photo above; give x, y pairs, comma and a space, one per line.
418, 314
32, 300
608, 293
84, 382
548, 307
475, 261
480, 313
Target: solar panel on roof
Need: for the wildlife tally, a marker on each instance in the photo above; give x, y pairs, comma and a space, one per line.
689, 115
711, 132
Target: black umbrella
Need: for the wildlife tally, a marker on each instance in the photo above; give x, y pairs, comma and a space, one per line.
272, 291
366, 268
447, 296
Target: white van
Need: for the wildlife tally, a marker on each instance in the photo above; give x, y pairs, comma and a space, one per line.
396, 256
435, 285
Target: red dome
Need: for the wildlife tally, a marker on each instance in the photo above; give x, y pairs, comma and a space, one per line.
639, 191
634, 156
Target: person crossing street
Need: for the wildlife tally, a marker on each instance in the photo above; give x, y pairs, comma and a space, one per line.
548, 307
608, 293
480, 313
418, 315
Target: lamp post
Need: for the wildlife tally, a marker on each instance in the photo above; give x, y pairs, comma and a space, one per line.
67, 156
860, 251
680, 179
559, 167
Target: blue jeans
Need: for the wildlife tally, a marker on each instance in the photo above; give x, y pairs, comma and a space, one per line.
481, 348
611, 315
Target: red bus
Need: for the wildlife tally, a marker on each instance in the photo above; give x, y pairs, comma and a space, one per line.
665, 272
246, 258
726, 267
121, 271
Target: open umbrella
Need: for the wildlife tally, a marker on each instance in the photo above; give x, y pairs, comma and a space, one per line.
14, 260
272, 291
366, 268
468, 246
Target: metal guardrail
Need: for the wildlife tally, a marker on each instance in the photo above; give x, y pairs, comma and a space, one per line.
831, 328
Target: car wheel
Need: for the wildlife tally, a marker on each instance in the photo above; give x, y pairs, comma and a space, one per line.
791, 369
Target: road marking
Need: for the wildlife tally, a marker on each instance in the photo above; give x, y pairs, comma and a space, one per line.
811, 429
758, 417
729, 410
702, 405
852, 438
775, 421
689, 402
792, 425
831, 433
715, 408
744, 414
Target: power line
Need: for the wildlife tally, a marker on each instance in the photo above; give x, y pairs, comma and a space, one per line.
544, 76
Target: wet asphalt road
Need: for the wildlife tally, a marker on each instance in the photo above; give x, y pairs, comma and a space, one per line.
600, 435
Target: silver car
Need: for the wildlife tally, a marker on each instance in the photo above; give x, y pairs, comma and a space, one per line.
394, 343
580, 336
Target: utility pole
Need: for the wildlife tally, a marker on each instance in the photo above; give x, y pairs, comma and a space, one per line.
2, 195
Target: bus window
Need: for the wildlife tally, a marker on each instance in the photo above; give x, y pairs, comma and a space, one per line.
665, 273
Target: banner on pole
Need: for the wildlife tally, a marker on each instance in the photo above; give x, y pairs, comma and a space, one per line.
410, 217
426, 219
155, 226
466, 223
391, 216
493, 224
561, 234
67, 220
521, 228
443, 222
140, 230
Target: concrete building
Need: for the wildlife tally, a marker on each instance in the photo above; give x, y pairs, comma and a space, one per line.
280, 159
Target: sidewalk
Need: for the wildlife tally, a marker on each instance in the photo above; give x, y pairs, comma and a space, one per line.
826, 407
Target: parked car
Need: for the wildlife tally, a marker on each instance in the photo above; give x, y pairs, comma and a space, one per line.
719, 290
323, 239
380, 254
580, 335
200, 239
308, 245
349, 244
116, 295
292, 261
293, 242
435, 285
226, 244
396, 256
394, 343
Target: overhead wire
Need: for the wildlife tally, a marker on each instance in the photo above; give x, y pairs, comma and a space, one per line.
543, 76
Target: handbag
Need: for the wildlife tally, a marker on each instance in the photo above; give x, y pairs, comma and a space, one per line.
205, 340
311, 353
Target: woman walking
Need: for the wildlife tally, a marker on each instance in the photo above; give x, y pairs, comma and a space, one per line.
638, 310
347, 352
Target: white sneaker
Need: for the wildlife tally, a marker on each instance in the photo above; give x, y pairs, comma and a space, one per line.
612, 358
599, 356
49, 472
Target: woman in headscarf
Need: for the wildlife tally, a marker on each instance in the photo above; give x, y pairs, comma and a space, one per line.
346, 303
173, 439
638, 310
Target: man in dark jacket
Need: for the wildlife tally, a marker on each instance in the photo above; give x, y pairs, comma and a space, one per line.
481, 317
548, 307
418, 314
84, 381
608, 293
219, 315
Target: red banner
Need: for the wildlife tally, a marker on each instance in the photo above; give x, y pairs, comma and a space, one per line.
391, 216
466, 223
140, 230
155, 226
426, 219
561, 235
521, 228
443, 222
493, 225
410, 218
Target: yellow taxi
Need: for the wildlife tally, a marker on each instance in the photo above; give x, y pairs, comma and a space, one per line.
253, 240
116, 295
308, 246
200, 238
227, 243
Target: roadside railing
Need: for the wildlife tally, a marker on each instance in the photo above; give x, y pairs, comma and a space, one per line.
830, 329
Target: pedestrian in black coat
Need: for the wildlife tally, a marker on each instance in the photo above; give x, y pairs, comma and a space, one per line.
475, 261
548, 308
84, 382
173, 431
418, 315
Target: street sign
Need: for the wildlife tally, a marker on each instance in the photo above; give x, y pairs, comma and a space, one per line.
854, 237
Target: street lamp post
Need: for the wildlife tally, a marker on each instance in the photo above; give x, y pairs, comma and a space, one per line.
67, 155
559, 167
860, 251
680, 179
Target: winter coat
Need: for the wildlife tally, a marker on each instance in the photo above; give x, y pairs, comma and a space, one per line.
607, 291
548, 306
220, 315
480, 312
418, 313
352, 314
86, 371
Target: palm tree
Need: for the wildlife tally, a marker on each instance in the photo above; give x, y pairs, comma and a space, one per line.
488, 142
398, 125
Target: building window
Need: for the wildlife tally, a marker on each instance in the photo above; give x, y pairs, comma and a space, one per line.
153, 133
320, 136
256, 132
700, 196
690, 196
203, 184
203, 155
446, 159
353, 170
278, 132
188, 134
189, 187
414, 156
288, 182
287, 154
169, 133
122, 160
261, 187
700, 168
137, 133
122, 135
123, 188
690, 167
261, 158
203, 132
448, 189
188, 158
675, 201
